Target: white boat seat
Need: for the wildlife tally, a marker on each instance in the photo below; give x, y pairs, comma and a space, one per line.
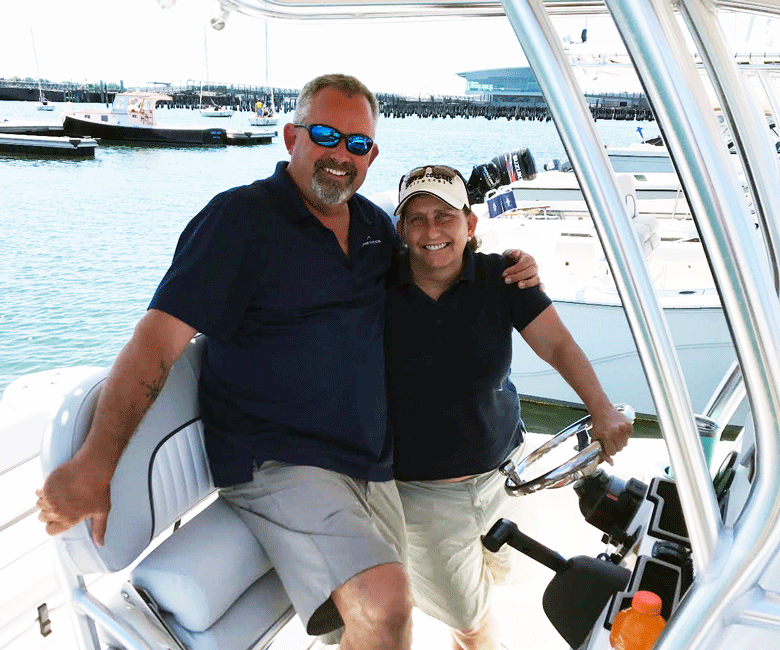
645, 225
211, 581
581, 254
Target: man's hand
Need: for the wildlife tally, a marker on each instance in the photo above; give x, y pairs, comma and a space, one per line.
612, 429
70, 494
524, 271
80, 488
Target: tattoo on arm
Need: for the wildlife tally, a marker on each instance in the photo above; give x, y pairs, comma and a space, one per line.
154, 388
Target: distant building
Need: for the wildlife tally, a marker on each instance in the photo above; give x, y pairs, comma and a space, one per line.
503, 84
518, 87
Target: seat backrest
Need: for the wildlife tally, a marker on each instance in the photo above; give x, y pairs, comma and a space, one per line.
163, 471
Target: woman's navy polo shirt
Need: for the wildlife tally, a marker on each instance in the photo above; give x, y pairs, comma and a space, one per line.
452, 409
293, 368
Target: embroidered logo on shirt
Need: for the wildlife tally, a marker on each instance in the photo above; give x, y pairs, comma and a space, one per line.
370, 241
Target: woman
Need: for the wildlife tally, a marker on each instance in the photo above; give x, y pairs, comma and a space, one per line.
453, 412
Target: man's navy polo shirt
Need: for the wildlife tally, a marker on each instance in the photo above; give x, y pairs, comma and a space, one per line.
293, 368
452, 410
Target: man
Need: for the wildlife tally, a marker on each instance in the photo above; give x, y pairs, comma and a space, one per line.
285, 277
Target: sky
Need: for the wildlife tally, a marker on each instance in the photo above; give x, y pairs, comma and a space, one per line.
137, 42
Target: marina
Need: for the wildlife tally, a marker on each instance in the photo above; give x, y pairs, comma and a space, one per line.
688, 514
81, 132
240, 98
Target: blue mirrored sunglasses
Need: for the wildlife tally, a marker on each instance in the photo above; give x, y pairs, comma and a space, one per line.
327, 136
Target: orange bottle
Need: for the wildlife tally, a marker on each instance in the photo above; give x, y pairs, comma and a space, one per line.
637, 627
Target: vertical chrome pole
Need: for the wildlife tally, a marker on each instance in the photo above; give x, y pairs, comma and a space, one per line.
747, 123
750, 303
577, 131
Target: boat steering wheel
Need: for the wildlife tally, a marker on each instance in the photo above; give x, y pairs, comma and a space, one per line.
577, 467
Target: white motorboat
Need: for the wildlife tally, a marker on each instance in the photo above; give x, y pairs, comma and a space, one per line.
707, 541
557, 194
133, 118
546, 214
577, 278
549, 218
651, 156
641, 157
264, 120
217, 111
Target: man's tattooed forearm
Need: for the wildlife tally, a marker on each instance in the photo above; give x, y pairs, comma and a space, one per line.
154, 388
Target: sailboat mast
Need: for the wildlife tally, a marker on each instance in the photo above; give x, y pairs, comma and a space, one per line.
205, 65
268, 69
37, 69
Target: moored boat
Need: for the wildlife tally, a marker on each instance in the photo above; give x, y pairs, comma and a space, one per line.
44, 145
217, 111
43, 103
132, 118
249, 137
264, 120
264, 115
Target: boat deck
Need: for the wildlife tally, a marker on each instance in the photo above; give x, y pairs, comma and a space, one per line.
29, 580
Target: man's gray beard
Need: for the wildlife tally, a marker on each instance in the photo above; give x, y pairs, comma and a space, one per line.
331, 192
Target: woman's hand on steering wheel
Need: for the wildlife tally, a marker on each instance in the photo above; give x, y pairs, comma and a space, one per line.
612, 429
609, 432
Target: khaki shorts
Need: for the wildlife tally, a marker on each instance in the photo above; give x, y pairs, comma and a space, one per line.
319, 529
452, 574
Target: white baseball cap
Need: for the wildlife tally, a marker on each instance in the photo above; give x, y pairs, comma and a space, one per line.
440, 181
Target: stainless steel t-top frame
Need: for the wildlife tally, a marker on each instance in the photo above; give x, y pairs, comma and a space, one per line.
729, 560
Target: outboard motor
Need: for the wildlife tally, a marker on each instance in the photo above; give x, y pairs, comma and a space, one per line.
484, 177
502, 170
515, 165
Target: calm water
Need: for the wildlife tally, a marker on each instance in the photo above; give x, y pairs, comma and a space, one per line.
85, 242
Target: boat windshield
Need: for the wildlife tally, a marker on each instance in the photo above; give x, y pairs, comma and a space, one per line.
119, 105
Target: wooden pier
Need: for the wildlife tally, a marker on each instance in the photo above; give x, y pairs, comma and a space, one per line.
602, 107
195, 93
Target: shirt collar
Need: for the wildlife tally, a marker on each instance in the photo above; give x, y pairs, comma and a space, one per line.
297, 208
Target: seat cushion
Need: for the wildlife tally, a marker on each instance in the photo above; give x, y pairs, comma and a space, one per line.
203, 568
252, 621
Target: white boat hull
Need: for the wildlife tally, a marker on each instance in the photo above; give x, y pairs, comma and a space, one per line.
217, 112
263, 121
700, 335
577, 279
640, 158
558, 193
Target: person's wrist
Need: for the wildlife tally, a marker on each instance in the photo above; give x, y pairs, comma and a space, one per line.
93, 468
